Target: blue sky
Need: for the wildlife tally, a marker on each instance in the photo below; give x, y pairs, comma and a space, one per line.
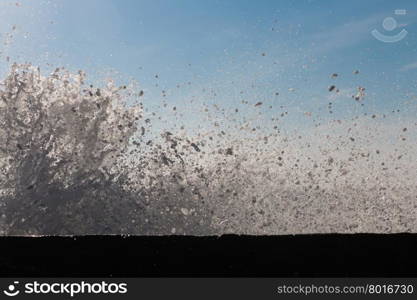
235, 49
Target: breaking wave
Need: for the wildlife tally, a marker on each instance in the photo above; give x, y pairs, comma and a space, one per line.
77, 159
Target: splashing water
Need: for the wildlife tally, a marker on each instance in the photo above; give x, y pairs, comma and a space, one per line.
57, 136
75, 160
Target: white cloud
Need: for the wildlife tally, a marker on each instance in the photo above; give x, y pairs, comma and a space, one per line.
345, 35
408, 67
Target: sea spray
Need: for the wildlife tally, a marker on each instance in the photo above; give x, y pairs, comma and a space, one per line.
62, 153
79, 159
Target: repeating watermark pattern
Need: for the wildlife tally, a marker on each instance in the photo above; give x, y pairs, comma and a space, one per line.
389, 24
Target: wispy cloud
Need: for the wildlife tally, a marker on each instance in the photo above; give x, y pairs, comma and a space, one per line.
409, 67
345, 35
